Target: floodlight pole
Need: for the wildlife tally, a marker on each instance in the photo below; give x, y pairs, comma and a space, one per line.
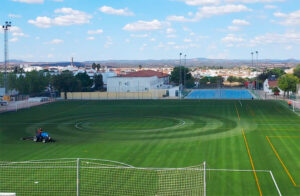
180, 76
184, 74
257, 85
6, 27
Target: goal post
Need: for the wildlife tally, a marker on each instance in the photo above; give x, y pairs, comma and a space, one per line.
98, 177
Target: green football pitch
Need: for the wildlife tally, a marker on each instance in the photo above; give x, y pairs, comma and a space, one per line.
232, 137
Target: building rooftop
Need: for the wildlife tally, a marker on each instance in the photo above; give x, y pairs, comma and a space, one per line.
145, 73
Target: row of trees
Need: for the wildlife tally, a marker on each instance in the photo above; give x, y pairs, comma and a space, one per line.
288, 82
182, 75
36, 83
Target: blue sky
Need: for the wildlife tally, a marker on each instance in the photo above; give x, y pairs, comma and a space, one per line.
56, 30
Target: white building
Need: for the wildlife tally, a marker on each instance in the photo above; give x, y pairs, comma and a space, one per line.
107, 75
269, 84
141, 81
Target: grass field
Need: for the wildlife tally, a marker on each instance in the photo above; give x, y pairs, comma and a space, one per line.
243, 135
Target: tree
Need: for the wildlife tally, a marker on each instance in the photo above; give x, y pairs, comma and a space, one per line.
277, 72
288, 83
276, 91
204, 81
66, 82
140, 66
231, 79
185, 75
85, 80
96, 66
98, 82
297, 71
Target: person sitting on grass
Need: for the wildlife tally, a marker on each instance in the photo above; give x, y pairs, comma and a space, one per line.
39, 133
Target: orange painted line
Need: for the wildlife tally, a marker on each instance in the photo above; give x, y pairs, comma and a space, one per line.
285, 168
252, 164
237, 111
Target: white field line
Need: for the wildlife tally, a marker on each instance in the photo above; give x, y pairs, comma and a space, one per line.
275, 183
241, 103
238, 170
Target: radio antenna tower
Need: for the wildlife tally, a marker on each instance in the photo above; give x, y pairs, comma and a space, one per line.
6, 27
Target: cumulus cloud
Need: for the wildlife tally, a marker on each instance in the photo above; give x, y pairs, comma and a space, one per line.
55, 41
98, 31
215, 2
90, 38
290, 19
144, 25
29, 1
231, 38
139, 35
112, 11
14, 39
14, 16
67, 17
240, 22
210, 11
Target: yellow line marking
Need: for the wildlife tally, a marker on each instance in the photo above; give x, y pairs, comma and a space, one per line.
285, 136
237, 111
285, 168
251, 161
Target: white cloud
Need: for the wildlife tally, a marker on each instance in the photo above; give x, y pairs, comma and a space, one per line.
69, 17
142, 48
171, 36
254, 1
90, 38
233, 28
152, 39
19, 34
201, 2
290, 19
29, 1
14, 16
170, 30
187, 40
50, 56
144, 25
171, 43
231, 38
240, 22
276, 38
121, 12
55, 41
210, 11
14, 39
215, 2
98, 31
139, 35
270, 6
108, 42
289, 47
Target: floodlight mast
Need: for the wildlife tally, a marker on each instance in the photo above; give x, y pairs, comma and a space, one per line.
6, 28
257, 85
184, 73
180, 75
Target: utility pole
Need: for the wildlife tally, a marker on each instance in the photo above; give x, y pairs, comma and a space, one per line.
6, 27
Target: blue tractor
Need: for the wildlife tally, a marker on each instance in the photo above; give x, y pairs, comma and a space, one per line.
43, 137
40, 137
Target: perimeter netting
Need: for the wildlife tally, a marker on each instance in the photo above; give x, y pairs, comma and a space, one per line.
98, 177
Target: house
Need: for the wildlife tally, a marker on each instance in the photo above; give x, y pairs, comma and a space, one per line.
140, 81
271, 83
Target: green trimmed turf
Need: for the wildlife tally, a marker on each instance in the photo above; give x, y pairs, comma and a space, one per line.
166, 134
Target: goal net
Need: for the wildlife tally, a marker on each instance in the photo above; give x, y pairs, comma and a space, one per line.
99, 177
